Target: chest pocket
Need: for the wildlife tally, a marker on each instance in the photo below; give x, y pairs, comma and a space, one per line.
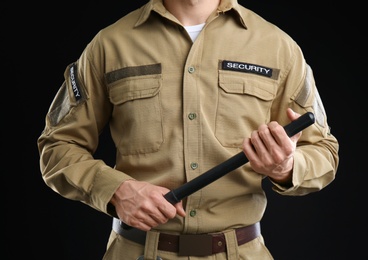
244, 103
137, 118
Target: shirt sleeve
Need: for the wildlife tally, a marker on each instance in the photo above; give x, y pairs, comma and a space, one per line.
71, 136
316, 158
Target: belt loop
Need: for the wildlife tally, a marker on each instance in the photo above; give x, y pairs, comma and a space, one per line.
150, 248
231, 245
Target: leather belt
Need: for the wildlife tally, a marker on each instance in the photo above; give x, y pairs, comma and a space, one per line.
190, 244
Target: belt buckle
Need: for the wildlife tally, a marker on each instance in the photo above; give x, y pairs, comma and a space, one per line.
195, 245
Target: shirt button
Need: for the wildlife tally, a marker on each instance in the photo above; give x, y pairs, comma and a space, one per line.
192, 116
191, 69
193, 212
194, 165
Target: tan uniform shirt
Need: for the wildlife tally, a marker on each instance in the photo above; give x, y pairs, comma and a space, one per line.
178, 108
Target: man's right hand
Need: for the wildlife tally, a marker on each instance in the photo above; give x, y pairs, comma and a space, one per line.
143, 206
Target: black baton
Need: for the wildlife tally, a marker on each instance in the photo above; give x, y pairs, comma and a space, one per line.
176, 195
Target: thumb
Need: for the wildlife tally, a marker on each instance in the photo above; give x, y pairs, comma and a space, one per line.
291, 114
179, 208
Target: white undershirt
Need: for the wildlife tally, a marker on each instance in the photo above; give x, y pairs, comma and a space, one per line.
194, 30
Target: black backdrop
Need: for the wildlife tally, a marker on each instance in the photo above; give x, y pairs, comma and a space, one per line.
39, 40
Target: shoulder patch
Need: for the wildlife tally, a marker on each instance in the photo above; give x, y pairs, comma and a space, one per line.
74, 82
60, 106
309, 96
319, 110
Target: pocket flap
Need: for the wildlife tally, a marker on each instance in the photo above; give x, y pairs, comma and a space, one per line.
263, 89
135, 88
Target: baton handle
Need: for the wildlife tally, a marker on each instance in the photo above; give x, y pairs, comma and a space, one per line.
176, 195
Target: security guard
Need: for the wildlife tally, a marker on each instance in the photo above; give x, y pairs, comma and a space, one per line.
184, 85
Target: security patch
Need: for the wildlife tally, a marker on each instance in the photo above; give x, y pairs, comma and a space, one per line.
249, 68
74, 82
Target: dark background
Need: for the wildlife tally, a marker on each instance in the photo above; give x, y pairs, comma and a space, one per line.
39, 40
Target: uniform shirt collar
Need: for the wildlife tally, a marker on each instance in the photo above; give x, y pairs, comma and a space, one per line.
158, 7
